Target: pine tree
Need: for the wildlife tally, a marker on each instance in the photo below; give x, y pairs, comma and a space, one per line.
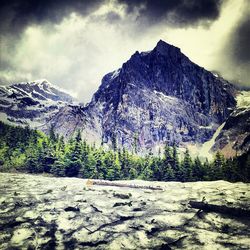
169, 173
109, 165
52, 135
61, 146
218, 166
187, 167
167, 161
175, 164
135, 143
117, 167
78, 137
133, 174
114, 142
46, 155
100, 171
33, 163
156, 168
198, 171
58, 168
147, 173
167, 154
73, 157
124, 162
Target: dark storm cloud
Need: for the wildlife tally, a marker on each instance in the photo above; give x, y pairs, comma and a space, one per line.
241, 44
112, 17
35, 32
235, 55
17, 14
178, 12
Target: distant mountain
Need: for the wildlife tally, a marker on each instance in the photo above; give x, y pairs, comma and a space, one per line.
31, 103
156, 97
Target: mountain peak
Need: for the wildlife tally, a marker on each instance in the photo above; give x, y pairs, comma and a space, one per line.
42, 83
162, 43
163, 47
39, 83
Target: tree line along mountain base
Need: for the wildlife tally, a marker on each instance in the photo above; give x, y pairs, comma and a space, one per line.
31, 151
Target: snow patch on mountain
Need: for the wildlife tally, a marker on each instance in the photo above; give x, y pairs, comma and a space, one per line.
31, 103
115, 73
243, 99
243, 102
205, 150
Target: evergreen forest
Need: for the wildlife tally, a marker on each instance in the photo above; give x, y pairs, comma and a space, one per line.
31, 151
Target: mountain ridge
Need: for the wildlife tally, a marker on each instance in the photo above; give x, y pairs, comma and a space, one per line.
31, 103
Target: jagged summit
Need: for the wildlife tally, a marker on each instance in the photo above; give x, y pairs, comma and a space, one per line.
37, 82
36, 85
164, 48
165, 69
43, 83
161, 47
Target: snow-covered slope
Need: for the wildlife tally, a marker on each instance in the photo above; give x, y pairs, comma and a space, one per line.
31, 103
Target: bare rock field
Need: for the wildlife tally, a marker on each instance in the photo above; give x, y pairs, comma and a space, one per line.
39, 212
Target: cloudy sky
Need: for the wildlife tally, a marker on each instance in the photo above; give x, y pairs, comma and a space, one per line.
73, 43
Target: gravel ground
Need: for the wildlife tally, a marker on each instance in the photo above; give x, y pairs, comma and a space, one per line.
38, 212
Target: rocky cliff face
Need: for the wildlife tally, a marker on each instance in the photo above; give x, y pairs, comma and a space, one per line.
157, 97
234, 137
31, 103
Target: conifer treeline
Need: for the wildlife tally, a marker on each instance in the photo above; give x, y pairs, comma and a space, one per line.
27, 150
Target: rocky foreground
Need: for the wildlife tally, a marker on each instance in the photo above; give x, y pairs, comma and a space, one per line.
38, 212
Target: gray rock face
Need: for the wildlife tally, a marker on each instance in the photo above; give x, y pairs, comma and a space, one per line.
157, 97
38, 212
31, 103
166, 70
234, 138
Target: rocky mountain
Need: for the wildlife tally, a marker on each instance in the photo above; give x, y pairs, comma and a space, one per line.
31, 103
156, 97
234, 138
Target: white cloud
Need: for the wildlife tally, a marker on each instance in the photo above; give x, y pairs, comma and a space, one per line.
76, 53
